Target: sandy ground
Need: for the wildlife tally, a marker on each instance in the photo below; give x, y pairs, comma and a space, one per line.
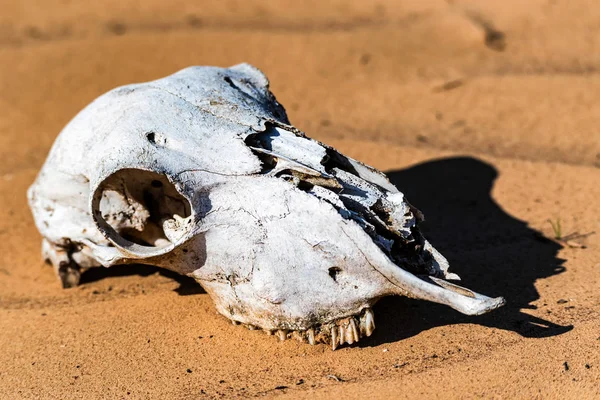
484, 113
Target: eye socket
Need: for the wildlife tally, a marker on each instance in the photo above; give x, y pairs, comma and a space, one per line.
142, 207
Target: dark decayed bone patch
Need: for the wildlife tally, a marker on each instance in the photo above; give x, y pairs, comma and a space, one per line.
137, 203
355, 190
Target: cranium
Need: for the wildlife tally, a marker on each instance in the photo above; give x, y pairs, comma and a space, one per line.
202, 174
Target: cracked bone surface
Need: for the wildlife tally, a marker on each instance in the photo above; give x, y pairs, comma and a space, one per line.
201, 173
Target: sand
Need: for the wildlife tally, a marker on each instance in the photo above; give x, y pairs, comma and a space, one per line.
484, 113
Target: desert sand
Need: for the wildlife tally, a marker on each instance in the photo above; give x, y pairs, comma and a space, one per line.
485, 114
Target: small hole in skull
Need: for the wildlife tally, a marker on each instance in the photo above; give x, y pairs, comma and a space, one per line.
333, 159
151, 136
333, 272
138, 212
305, 186
230, 82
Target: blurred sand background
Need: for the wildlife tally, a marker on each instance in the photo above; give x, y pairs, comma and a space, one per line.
485, 114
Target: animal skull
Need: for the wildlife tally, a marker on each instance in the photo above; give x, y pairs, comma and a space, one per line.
202, 174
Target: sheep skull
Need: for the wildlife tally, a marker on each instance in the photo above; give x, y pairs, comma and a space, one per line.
201, 173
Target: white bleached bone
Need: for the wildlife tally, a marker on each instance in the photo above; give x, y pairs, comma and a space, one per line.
201, 173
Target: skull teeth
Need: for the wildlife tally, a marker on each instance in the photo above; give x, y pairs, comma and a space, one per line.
367, 323
282, 334
334, 337
299, 336
352, 335
347, 330
310, 335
